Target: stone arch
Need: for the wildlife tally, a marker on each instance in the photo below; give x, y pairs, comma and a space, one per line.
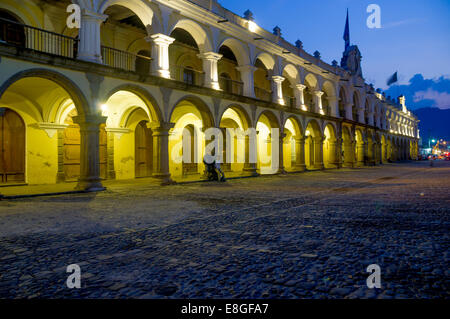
206, 114
240, 51
273, 120
199, 34
243, 114
292, 74
140, 8
152, 105
75, 93
267, 59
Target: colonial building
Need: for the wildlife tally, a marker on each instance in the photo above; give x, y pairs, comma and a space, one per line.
113, 98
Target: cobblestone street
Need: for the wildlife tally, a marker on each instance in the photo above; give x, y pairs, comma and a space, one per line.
308, 235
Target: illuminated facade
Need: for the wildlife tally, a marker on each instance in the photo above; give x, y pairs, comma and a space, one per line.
107, 100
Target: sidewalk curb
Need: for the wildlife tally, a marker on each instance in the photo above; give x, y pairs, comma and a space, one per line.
3, 197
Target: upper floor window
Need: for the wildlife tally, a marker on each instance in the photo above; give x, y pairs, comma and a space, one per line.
189, 75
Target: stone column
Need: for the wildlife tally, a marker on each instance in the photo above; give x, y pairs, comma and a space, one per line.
300, 154
349, 111
247, 72
160, 54
318, 152
250, 165
277, 95
90, 44
161, 151
210, 60
339, 160
90, 152
300, 97
318, 102
281, 169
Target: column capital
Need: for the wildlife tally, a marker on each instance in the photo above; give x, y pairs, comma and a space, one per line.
211, 56
301, 87
160, 39
278, 79
318, 93
88, 120
93, 16
161, 126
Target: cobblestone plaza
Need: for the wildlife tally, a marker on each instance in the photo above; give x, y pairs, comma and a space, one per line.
307, 235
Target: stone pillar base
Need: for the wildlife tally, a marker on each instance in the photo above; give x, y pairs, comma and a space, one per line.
90, 185
164, 179
60, 177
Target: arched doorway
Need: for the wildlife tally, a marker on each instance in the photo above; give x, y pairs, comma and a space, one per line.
12, 143
313, 146
143, 150
187, 143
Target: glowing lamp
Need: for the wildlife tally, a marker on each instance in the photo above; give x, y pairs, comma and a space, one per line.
252, 26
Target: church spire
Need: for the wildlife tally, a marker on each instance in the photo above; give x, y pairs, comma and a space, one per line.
347, 33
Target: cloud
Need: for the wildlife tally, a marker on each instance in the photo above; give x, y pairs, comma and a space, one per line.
421, 92
441, 99
401, 22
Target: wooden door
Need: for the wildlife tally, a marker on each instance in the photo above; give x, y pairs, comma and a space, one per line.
12, 147
143, 150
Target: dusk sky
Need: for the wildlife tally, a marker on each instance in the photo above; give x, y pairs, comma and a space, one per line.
414, 38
